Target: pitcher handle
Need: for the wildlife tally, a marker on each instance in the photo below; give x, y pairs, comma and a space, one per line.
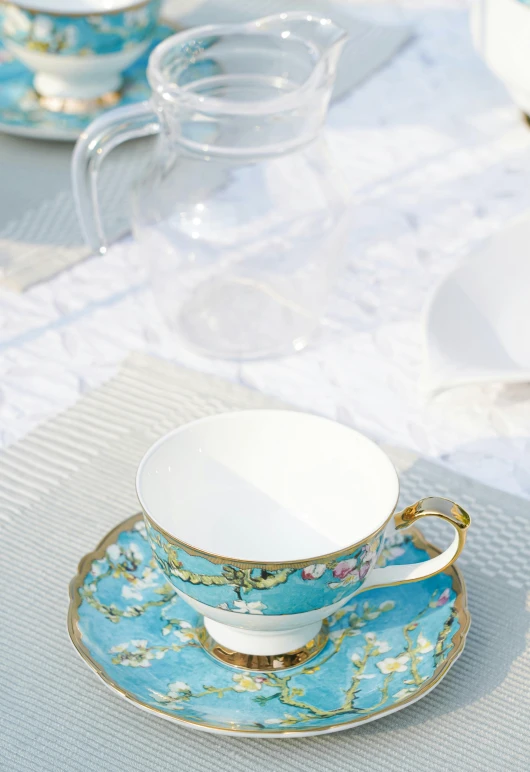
97, 140
430, 507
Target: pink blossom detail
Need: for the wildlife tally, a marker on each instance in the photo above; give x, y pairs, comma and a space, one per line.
313, 572
363, 570
345, 568
444, 597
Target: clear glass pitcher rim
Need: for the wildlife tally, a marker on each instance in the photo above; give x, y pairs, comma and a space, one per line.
193, 100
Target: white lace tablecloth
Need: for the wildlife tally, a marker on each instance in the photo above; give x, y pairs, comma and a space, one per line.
439, 158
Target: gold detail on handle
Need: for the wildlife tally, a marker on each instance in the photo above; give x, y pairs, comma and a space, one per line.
437, 507
433, 505
262, 662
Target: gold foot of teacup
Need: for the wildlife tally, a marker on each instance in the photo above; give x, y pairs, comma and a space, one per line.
264, 662
74, 106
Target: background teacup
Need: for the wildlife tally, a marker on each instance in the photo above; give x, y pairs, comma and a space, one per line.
78, 48
501, 35
267, 521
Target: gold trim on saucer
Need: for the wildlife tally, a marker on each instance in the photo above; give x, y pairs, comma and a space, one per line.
458, 641
264, 663
74, 106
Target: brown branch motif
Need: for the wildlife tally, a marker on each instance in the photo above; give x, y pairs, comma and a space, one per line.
346, 572
286, 687
242, 580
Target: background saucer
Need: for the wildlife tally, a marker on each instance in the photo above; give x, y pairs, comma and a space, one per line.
21, 113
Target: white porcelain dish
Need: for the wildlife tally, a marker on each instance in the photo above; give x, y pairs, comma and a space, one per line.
478, 320
501, 35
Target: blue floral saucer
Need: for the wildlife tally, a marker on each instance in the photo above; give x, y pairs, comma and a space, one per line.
386, 649
21, 112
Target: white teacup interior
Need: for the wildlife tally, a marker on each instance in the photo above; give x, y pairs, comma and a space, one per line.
267, 485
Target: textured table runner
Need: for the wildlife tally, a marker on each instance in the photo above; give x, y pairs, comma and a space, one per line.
39, 232
65, 485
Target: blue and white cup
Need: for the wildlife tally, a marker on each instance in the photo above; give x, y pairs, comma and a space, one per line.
78, 49
268, 521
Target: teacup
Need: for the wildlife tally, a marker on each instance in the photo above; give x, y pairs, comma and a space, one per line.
501, 35
78, 48
268, 521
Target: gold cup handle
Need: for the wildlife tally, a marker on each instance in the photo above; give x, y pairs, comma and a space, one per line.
436, 507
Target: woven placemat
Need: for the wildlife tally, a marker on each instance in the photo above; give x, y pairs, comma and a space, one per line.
65, 485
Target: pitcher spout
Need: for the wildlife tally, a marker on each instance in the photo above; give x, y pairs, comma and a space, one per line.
318, 32
262, 87
308, 27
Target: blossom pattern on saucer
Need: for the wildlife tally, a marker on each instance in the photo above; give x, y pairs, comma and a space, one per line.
386, 648
253, 591
105, 33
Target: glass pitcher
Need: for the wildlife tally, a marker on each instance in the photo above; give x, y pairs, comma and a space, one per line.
242, 215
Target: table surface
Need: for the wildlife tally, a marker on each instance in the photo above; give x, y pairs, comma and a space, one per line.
439, 159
